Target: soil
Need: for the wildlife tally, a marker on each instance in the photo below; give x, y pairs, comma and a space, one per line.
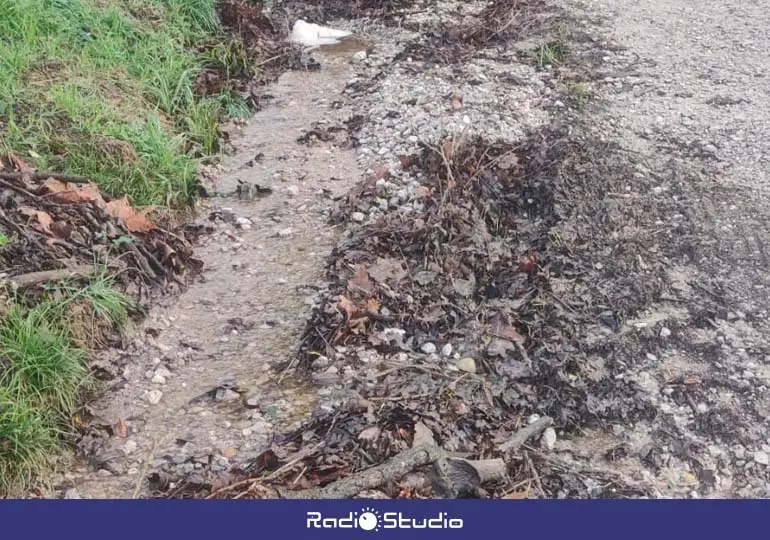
463, 243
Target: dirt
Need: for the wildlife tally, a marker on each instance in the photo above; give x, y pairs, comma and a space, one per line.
598, 258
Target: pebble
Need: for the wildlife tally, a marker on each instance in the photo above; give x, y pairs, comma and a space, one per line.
761, 457
129, 447
293, 191
358, 217
359, 57
72, 493
154, 396
428, 348
158, 379
243, 223
285, 233
446, 350
665, 332
548, 439
225, 394
466, 364
163, 371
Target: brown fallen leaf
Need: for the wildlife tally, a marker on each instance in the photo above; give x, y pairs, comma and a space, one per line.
347, 306
372, 305
121, 429
16, 164
528, 263
44, 220
360, 281
508, 333
420, 192
517, 495
135, 221
406, 161
73, 193
386, 269
229, 452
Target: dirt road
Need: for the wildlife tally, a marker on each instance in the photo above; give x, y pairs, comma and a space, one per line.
637, 318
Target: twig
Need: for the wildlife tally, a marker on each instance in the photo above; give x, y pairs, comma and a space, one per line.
44, 176
518, 439
33, 278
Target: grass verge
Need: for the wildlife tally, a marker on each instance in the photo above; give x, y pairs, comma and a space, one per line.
113, 90
43, 370
121, 92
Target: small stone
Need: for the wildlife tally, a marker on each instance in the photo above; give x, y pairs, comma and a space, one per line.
548, 439
72, 493
292, 191
466, 364
320, 363
358, 217
762, 458
163, 371
225, 395
665, 332
252, 402
129, 447
154, 396
285, 233
428, 348
359, 57
243, 223
158, 379
446, 350
229, 452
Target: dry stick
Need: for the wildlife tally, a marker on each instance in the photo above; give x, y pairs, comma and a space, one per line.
44, 176
33, 278
520, 437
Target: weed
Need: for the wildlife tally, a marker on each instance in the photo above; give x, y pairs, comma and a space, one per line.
550, 54
578, 95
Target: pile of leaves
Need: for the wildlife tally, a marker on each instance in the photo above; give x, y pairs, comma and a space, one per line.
499, 23
508, 256
54, 226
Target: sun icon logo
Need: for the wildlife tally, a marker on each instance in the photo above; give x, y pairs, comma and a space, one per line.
369, 520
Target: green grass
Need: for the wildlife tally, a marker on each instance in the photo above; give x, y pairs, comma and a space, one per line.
43, 371
579, 94
550, 54
106, 89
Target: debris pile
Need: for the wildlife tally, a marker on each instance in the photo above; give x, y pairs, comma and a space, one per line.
55, 227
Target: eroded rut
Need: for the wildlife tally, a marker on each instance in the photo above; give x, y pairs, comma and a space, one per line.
202, 354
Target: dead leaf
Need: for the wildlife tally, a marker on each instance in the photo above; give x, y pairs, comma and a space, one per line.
517, 495
380, 172
229, 452
528, 262
135, 221
369, 434
347, 306
421, 192
17, 164
43, 218
387, 270
121, 429
422, 435
500, 347
73, 193
372, 305
448, 149
406, 161
508, 161
508, 333
360, 281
